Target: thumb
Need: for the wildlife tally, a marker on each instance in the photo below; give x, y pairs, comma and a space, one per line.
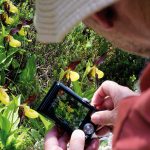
106, 117
77, 141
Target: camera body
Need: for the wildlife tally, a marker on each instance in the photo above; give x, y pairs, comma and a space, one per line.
68, 110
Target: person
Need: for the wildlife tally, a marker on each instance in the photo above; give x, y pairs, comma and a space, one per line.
127, 25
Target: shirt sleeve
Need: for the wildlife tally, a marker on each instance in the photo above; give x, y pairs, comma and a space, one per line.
132, 130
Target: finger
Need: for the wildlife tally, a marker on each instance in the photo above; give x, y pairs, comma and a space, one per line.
54, 148
63, 141
106, 105
103, 131
104, 90
98, 97
94, 145
106, 117
51, 140
77, 140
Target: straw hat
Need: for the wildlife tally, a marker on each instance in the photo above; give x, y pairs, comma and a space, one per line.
55, 18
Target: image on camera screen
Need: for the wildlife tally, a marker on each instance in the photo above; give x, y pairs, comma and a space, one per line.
69, 110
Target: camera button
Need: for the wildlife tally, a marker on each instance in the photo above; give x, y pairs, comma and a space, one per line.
88, 128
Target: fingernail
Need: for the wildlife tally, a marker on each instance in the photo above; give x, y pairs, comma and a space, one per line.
77, 141
95, 118
78, 133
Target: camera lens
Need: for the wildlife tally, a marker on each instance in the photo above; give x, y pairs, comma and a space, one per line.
88, 128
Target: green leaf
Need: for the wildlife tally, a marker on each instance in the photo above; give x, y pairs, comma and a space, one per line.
17, 100
2, 77
2, 57
3, 30
12, 51
29, 73
2, 107
20, 140
77, 88
2, 47
35, 134
21, 51
1, 2
5, 126
88, 44
48, 124
15, 63
11, 113
10, 140
5, 60
62, 73
16, 122
89, 93
88, 68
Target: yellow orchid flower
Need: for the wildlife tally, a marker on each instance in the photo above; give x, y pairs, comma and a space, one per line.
4, 98
13, 8
94, 70
72, 75
8, 20
13, 42
29, 40
30, 113
69, 109
22, 32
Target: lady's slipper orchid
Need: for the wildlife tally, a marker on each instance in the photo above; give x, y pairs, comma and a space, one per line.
95, 71
29, 40
4, 98
69, 109
10, 7
13, 8
22, 31
8, 20
69, 73
13, 42
30, 113
72, 75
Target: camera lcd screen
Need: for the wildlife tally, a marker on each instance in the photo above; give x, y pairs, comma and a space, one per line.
69, 110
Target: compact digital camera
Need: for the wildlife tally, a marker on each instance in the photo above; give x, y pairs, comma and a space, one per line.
68, 110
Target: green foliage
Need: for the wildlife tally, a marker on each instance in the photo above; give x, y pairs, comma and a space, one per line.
27, 78
13, 55
11, 136
48, 124
123, 68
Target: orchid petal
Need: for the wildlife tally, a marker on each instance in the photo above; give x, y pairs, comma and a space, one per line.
72, 75
30, 113
94, 71
4, 98
13, 8
14, 43
8, 20
22, 32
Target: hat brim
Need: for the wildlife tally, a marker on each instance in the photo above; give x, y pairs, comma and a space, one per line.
55, 18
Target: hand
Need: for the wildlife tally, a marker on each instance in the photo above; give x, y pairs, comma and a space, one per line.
57, 140
107, 98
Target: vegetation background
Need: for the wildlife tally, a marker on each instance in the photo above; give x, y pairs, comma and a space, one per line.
28, 68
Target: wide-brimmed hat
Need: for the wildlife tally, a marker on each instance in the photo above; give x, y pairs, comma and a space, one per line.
55, 18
